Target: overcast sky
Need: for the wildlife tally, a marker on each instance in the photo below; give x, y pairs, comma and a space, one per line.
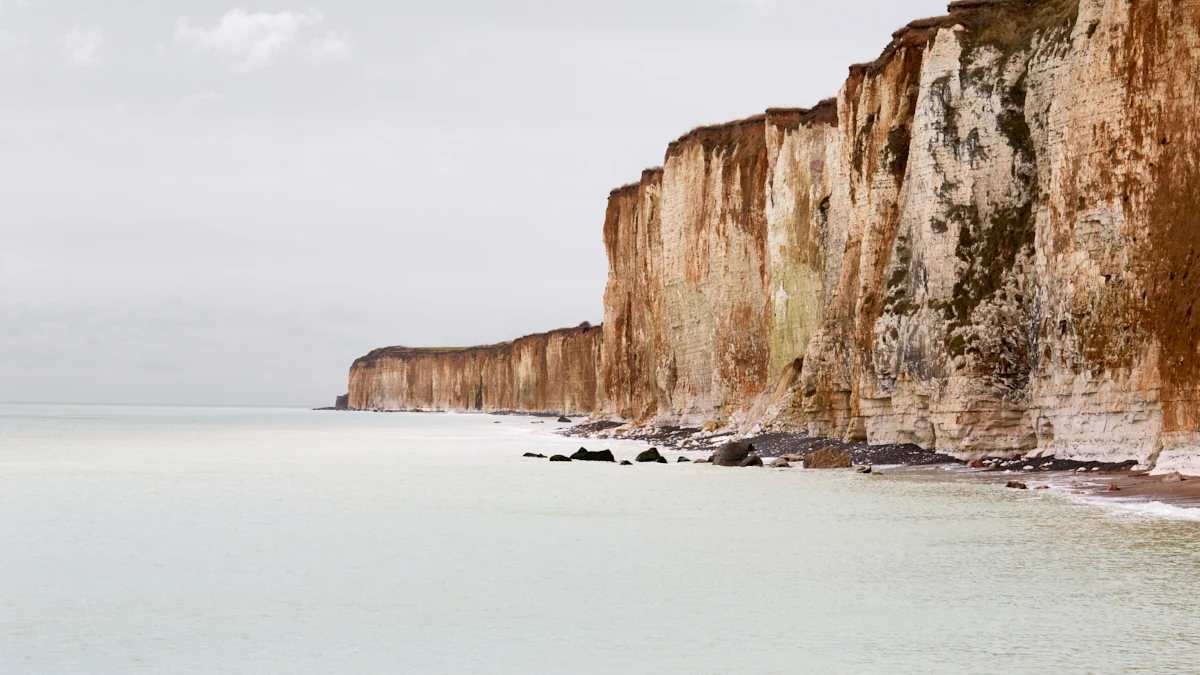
204, 202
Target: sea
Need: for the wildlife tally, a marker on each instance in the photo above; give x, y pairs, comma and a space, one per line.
188, 540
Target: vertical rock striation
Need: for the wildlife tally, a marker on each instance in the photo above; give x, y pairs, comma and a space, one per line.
986, 245
548, 372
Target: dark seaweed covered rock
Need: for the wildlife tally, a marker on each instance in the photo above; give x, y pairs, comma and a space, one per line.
585, 455
651, 455
560, 458
534, 454
732, 454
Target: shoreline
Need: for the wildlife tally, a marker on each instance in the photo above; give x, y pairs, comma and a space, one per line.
1110, 483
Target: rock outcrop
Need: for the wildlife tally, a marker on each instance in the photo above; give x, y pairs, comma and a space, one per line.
986, 245
549, 372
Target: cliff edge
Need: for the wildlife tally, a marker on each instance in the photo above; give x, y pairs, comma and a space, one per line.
984, 245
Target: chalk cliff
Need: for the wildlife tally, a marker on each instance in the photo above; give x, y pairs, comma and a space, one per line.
547, 372
986, 245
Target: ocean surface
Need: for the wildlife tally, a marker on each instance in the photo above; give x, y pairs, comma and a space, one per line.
260, 541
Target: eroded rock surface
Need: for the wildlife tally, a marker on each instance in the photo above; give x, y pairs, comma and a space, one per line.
986, 245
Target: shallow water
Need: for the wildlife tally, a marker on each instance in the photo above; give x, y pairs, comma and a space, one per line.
197, 540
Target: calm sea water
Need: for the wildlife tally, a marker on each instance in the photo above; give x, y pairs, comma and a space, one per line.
191, 540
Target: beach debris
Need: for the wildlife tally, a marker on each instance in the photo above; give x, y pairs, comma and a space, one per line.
564, 420
1016, 485
534, 454
585, 455
560, 458
732, 454
651, 455
828, 458
780, 463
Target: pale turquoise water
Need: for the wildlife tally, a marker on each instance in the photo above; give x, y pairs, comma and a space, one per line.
191, 540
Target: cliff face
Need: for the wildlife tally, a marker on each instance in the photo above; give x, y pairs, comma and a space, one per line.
547, 372
985, 245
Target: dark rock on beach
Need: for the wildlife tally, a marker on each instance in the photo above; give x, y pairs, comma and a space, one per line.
681, 460
1016, 485
560, 458
585, 455
752, 460
732, 454
780, 463
564, 420
828, 458
651, 455
661, 460
534, 454
626, 462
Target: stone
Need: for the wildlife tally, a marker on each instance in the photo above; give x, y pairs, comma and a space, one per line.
975, 464
626, 462
780, 463
752, 460
661, 460
702, 460
711, 426
1016, 485
828, 458
1042, 487
564, 420
342, 402
732, 454
681, 460
1112, 487
794, 458
534, 454
560, 458
1173, 477
863, 469
585, 455
651, 455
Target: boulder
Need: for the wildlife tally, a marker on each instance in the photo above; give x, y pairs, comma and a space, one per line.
651, 455
585, 455
1016, 485
702, 460
342, 402
534, 454
560, 458
780, 463
681, 460
1174, 477
828, 458
732, 454
794, 458
752, 460
661, 460
564, 420
626, 462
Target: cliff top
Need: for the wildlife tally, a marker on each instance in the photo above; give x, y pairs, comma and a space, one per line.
400, 352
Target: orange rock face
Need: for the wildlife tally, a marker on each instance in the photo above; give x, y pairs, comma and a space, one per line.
988, 244
548, 372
